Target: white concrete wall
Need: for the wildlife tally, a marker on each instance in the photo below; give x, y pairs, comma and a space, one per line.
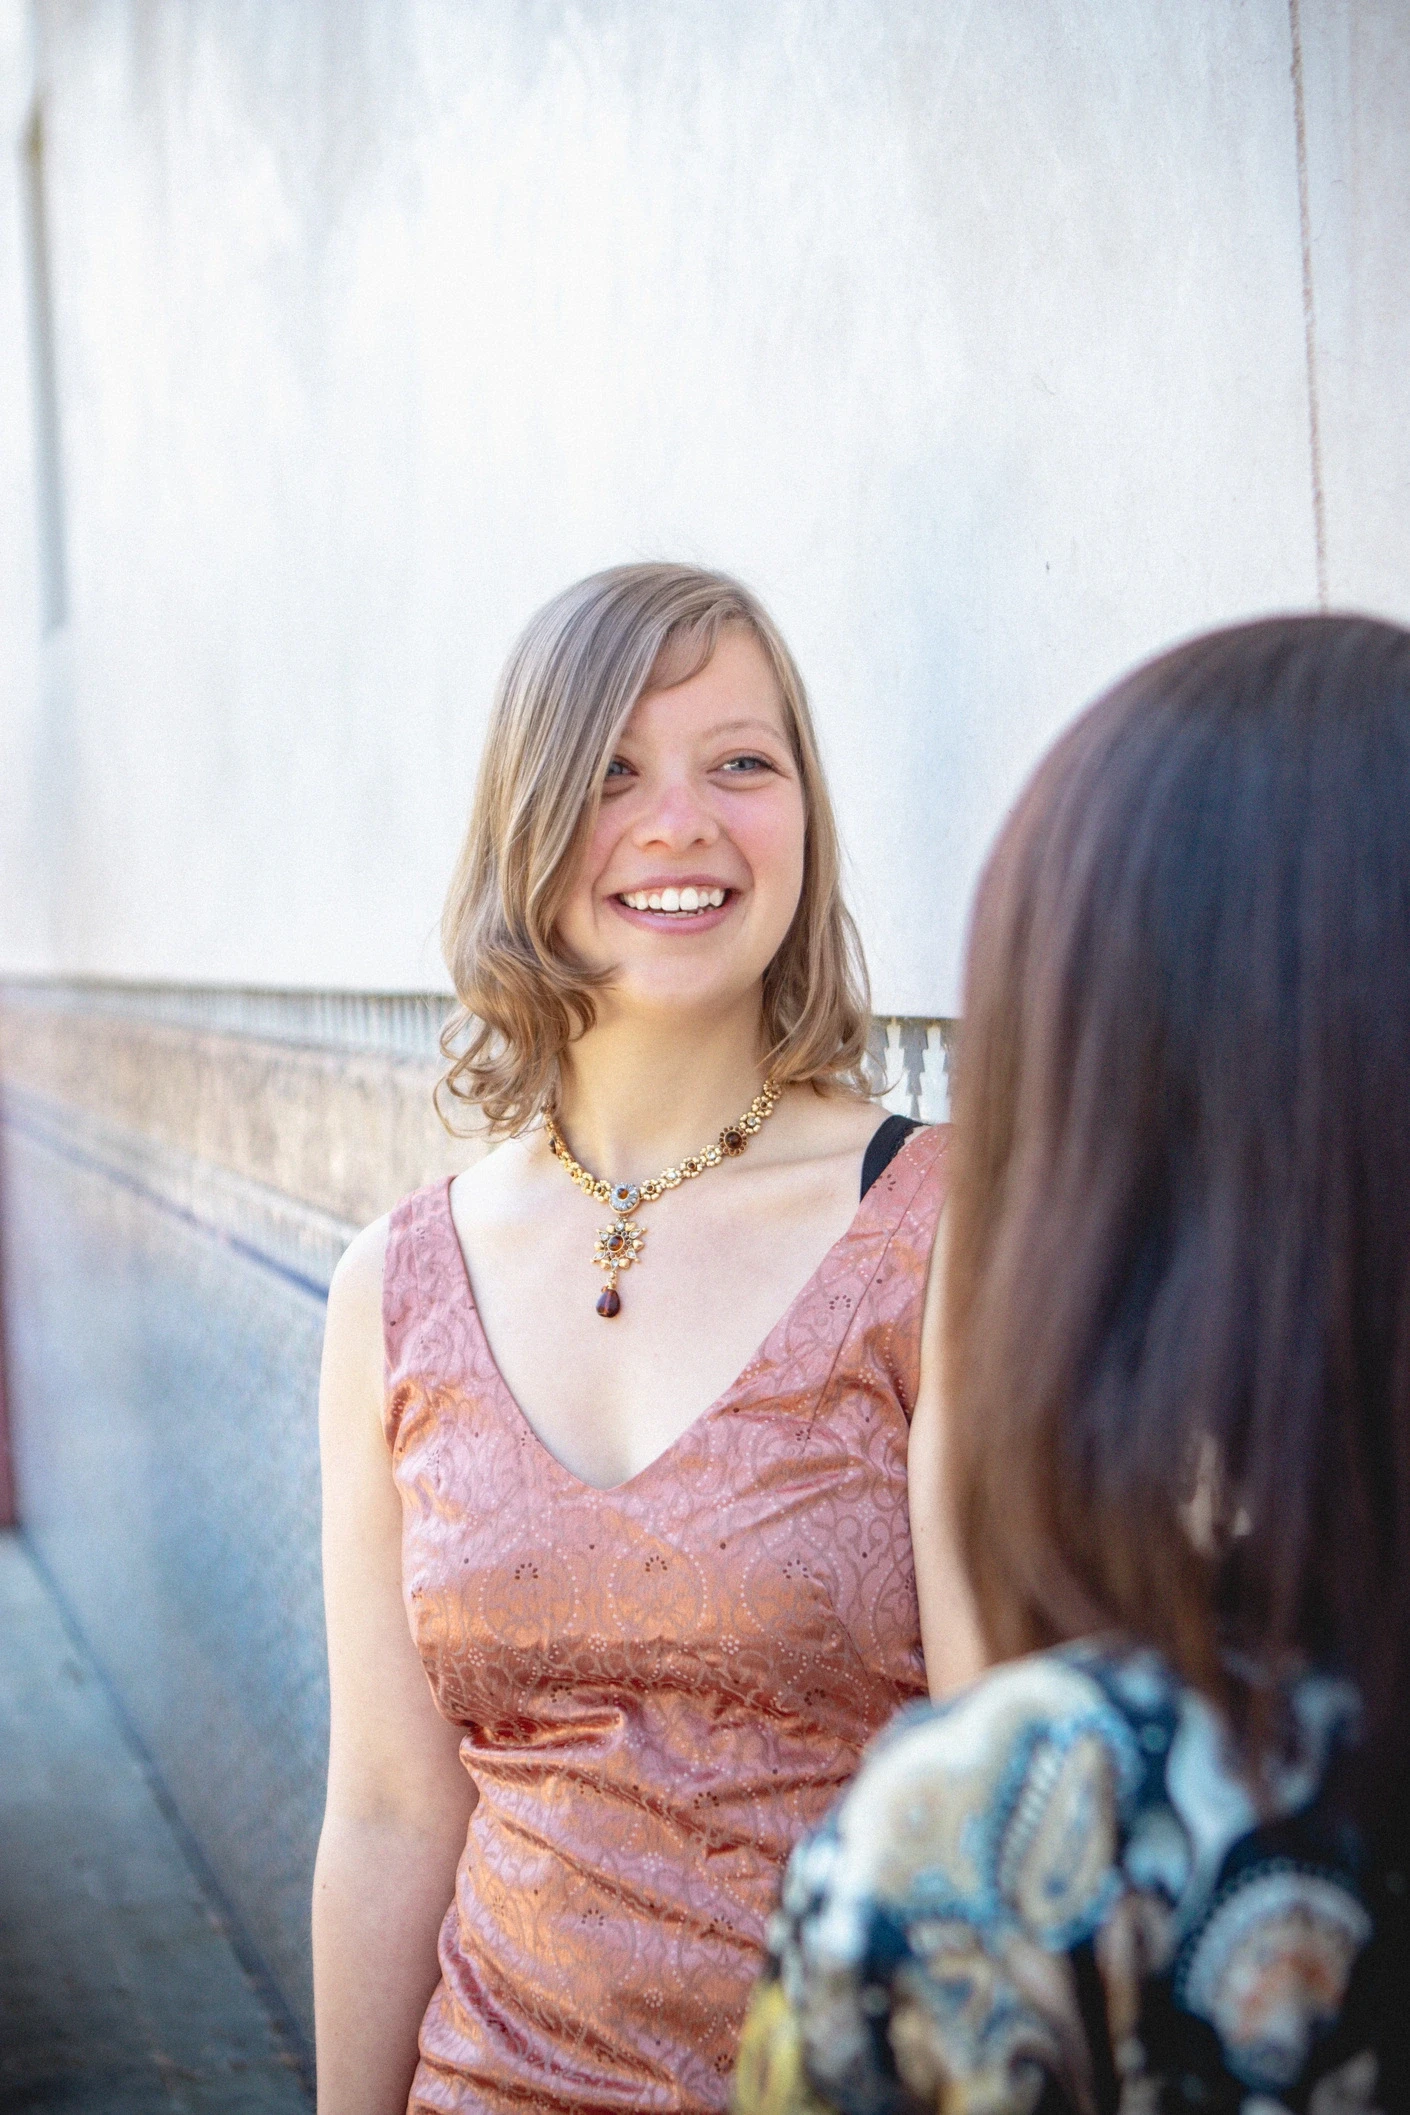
26, 935
972, 336
1357, 71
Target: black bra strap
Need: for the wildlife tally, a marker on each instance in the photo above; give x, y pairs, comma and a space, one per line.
885, 1143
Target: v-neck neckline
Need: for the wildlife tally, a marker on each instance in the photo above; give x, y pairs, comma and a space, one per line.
866, 1208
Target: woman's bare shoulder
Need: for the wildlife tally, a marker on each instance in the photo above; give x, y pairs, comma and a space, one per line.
355, 1290
819, 1126
497, 1188
352, 1336
357, 1281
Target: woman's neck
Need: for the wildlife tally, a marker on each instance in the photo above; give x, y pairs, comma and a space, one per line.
638, 1096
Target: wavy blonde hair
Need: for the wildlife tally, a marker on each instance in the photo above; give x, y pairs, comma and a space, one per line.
568, 689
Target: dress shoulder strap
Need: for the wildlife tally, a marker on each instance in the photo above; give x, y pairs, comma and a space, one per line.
908, 1186
903, 1205
413, 1281
885, 1143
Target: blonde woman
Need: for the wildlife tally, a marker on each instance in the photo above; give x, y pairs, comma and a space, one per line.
619, 1419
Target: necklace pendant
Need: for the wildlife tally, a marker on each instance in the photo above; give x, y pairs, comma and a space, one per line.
619, 1246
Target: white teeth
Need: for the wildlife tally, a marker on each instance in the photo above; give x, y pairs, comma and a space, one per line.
686, 902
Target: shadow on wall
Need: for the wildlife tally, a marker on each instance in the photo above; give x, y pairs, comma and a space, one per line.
122, 1984
163, 1382
7, 1471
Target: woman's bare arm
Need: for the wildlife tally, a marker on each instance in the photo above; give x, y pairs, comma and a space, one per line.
398, 1797
949, 1626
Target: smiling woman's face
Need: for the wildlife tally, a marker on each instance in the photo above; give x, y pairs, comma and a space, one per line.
690, 880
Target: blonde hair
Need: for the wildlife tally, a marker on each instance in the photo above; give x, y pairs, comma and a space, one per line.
568, 688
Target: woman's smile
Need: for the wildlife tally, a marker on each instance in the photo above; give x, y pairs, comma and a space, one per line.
694, 905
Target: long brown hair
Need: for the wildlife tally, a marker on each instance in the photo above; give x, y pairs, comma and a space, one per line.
1179, 1261
567, 691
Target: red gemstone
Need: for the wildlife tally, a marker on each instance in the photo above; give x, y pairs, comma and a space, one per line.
609, 1301
733, 1142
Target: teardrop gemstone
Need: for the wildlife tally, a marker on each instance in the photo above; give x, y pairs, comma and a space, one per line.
609, 1302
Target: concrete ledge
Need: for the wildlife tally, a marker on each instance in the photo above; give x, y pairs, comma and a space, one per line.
346, 1131
323, 1096
296, 1239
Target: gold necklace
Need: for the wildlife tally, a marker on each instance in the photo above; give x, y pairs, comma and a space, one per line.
620, 1245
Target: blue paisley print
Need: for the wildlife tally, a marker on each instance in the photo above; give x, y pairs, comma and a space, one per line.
1059, 1895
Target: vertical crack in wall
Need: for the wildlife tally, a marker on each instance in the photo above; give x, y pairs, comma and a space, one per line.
53, 567
1309, 310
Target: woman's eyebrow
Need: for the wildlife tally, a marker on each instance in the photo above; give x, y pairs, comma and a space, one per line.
732, 726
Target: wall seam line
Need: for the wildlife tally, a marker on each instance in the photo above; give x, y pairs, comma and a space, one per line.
1309, 308
79, 1156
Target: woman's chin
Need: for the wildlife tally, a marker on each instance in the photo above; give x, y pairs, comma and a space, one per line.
680, 993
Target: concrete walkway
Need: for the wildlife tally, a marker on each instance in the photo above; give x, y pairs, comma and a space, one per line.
120, 1991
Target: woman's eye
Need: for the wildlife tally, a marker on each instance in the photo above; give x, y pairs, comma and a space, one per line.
616, 771
740, 766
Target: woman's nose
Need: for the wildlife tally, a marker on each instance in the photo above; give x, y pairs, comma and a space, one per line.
676, 818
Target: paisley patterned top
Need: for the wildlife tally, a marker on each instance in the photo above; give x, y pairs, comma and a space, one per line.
661, 1686
1055, 1894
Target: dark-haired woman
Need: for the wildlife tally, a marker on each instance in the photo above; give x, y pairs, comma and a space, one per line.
1157, 1860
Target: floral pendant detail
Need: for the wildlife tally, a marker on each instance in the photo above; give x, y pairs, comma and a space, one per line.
618, 1247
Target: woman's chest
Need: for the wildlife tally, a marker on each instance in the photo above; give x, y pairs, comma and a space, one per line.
764, 1567
702, 1287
